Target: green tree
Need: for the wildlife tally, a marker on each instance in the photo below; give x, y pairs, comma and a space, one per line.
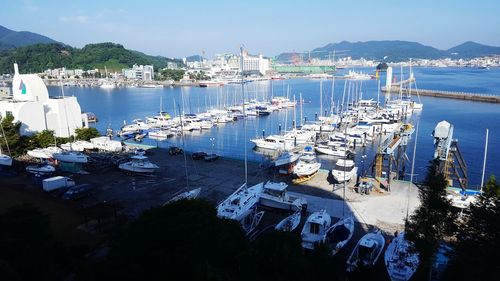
184, 240
27, 246
433, 220
476, 252
44, 138
86, 133
10, 138
172, 74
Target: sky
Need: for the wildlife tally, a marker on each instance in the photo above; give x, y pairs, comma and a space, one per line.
183, 28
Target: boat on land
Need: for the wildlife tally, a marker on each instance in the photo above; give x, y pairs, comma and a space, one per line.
44, 153
286, 158
289, 223
340, 234
241, 203
307, 164
400, 261
186, 195
367, 251
275, 195
139, 164
344, 170
315, 228
71, 157
43, 168
5, 160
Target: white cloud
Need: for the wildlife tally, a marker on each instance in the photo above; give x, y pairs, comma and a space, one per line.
74, 19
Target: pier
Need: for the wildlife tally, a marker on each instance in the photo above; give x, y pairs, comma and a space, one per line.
450, 94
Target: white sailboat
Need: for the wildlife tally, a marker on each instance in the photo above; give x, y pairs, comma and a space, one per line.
400, 261
139, 164
367, 251
43, 168
71, 156
315, 228
340, 234
107, 84
187, 195
289, 223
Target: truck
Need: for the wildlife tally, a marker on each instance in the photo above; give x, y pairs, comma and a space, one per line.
55, 183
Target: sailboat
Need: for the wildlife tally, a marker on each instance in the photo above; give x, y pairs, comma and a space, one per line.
401, 262
139, 164
289, 223
340, 234
187, 195
241, 205
106, 84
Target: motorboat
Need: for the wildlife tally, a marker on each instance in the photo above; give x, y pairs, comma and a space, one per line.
401, 262
289, 223
307, 164
240, 203
71, 156
186, 195
332, 149
344, 170
273, 142
42, 168
340, 234
286, 158
353, 75
275, 195
367, 251
160, 134
315, 228
139, 164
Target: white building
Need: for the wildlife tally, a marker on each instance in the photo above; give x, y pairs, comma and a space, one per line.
30, 104
139, 72
255, 64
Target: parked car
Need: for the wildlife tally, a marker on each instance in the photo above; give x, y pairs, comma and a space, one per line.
78, 192
174, 150
211, 157
199, 155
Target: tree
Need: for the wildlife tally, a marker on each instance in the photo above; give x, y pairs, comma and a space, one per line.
44, 138
86, 133
27, 247
184, 240
172, 74
10, 138
476, 252
433, 220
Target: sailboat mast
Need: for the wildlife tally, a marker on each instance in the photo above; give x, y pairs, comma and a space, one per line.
484, 161
244, 116
412, 169
301, 110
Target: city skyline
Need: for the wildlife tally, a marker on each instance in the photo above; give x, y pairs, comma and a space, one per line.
184, 29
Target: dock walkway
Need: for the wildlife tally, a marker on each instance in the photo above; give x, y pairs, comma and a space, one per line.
452, 95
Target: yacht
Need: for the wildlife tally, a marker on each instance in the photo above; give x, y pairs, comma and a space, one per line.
273, 142
400, 261
286, 158
333, 149
367, 251
275, 195
187, 195
44, 153
160, 134
315, 228
307, 165
340, 234
139, 164
79, 146
344, 170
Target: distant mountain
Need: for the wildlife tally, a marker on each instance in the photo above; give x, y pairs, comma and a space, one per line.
194, 58
392, 51
39, 57
10, 39
472, 49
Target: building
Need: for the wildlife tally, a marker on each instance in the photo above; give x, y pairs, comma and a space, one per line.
252, 64
139, 72
31, 105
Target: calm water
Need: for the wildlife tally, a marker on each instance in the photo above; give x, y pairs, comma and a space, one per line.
469, 118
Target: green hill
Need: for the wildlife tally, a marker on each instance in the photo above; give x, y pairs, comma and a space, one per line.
39, 57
